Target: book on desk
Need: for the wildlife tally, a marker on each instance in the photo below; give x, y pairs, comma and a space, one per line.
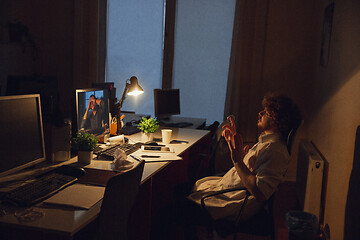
77, 195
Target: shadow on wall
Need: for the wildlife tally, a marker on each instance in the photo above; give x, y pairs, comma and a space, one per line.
343, 53
294, 79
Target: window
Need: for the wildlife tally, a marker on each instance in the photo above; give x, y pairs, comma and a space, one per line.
202, 46
203, 35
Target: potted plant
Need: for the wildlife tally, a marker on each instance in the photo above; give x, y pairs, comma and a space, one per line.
85, 143
148, 126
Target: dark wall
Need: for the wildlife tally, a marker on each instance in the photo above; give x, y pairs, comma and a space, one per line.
45, 43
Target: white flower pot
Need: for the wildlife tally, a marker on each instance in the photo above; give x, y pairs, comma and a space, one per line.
85, 157
146, 137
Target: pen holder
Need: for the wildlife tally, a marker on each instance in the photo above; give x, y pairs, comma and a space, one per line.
113, 128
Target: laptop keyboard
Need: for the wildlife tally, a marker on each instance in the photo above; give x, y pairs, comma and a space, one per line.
129, 130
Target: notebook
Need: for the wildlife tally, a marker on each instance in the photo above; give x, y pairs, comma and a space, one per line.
78, 195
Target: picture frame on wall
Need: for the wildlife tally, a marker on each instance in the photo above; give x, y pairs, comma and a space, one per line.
326, 34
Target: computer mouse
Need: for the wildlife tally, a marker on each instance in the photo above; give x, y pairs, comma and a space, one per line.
74, 171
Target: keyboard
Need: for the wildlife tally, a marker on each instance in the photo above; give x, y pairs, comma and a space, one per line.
108, 154
36, 191
129, 130
179, 124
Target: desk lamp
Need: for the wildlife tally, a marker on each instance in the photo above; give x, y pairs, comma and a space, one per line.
132, 88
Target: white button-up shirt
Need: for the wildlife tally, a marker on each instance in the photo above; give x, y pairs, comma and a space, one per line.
268, 159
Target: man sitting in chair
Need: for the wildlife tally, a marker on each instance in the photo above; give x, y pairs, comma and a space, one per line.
260, 169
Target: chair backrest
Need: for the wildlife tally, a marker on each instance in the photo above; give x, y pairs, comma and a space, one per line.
120, 194
213, 127
220, 161
290, 138
201, 169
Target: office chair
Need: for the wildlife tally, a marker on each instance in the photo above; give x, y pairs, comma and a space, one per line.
120, 193
219, 161
201, 170
261, 224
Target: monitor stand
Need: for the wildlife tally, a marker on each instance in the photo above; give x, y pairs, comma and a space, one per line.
163, 120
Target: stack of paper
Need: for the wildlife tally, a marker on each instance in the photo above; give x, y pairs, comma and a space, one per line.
155, 156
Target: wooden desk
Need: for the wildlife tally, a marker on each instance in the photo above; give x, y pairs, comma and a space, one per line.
65, 223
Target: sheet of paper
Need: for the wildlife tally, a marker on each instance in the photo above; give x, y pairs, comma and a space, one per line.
78, 195
156, 156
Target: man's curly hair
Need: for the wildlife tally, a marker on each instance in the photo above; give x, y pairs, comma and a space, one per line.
283, 111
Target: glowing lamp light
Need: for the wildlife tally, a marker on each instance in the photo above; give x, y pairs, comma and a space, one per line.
132, 88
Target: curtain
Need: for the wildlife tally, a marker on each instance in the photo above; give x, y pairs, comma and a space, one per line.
89, 42
168, 58
244, 88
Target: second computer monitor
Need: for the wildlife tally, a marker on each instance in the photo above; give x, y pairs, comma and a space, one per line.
166, 102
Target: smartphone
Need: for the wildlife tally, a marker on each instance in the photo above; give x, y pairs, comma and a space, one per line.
155, 149
152, 148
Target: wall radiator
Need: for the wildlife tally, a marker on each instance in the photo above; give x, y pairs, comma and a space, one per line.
309, 178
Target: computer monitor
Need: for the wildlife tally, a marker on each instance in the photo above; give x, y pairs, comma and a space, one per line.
22, 139
92, 110
166, 103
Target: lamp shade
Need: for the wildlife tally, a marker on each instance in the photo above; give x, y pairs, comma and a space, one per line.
134, 87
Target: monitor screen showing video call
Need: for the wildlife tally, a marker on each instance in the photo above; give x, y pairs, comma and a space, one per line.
92, 108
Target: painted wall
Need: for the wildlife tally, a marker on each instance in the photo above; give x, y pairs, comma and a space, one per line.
336, 105
329, 96
291, 56
51, 29
65, 36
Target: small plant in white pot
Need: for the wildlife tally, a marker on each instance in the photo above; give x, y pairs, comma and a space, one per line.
148, 126
85, 143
